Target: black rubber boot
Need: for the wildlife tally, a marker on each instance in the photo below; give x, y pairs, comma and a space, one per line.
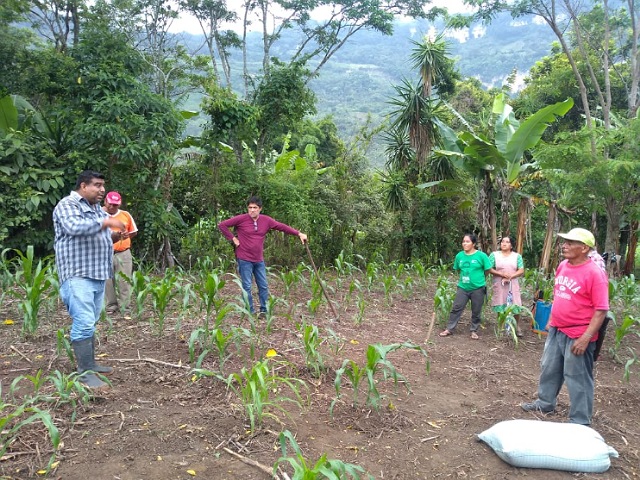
103, 369
83, 350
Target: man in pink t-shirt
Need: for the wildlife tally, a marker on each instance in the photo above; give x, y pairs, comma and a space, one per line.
580, 303
250, 230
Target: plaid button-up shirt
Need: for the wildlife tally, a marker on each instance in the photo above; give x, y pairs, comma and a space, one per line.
83, 248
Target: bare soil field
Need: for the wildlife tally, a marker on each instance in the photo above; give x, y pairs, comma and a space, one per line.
160, 421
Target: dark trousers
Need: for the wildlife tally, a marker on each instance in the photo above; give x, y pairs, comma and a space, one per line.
462, 298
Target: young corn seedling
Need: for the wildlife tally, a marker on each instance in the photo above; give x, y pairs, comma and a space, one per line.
377, 365
628, 327
443, 298
68, 390
334, 341
140, 288
321, 469
311, 342
162, 292
208, 291
506, 323
209, 340
13, 418
64, 345
389, 283
316, 295
362, 306
354, 286
626, 293
259, 391
36, 283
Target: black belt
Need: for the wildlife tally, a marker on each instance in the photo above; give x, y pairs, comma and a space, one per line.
121, 251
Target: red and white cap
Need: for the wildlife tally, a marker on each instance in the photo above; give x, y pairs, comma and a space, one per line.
114, 198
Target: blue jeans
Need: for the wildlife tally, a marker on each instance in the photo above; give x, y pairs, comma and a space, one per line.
559, 365
83, 298
460, 302
259, 271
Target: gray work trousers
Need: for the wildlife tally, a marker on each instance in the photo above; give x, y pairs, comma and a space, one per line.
460, 302
559, 365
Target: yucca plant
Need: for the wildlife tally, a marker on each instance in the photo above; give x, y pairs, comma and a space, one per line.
323, 468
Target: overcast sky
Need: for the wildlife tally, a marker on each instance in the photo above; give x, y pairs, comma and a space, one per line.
187, 23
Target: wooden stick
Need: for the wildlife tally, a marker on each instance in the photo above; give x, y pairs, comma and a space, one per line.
20, 353
335, 315
433, 321
251, 462
151, 360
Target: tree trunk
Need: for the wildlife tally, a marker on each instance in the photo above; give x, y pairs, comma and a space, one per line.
524, 213
545, 257
630, 261
613, 230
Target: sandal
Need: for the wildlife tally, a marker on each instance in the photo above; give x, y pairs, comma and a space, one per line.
445, 333
474, 336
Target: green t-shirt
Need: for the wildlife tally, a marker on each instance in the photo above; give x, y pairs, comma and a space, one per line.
472, 268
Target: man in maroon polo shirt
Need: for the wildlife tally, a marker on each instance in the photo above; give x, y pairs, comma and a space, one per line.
250, 230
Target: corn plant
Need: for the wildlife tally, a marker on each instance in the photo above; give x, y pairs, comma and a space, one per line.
208, 291
334, 341
354, 286
68, 390
290, 278
140, 288
443, 298
36, 283
389, 283
630, 362
14, 418
215, 339
311, 342
377, 364
626, 292
371, 273
362, 305
316, 295
7, 279
162, 292
64, 345
322, 468
256, 387
628, 327
423, 274
506, 323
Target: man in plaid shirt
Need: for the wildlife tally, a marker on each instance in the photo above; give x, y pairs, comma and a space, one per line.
84, 249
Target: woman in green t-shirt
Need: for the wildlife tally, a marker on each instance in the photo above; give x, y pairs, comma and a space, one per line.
473, 266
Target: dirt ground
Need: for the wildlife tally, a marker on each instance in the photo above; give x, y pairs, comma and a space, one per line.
159, 422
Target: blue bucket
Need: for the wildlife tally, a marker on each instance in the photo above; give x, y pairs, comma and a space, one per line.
543, 311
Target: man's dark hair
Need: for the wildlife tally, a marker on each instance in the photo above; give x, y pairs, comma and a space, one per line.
472, 236
255, 200
87, 177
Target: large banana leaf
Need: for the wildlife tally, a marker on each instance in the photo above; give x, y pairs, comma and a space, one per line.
8, 114
529, 134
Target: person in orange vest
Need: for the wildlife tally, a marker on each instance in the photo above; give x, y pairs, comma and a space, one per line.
118, 291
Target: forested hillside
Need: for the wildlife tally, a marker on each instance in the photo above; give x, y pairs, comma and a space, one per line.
359, 80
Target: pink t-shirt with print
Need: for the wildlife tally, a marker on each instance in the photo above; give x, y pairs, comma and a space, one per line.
579, 291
